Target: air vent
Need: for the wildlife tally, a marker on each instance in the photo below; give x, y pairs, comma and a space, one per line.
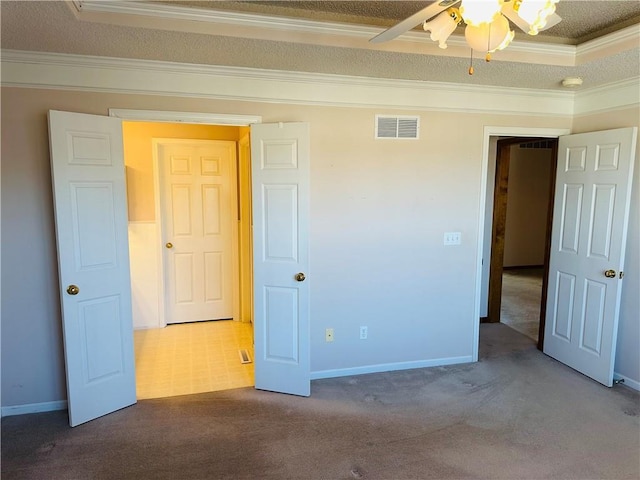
398, 127
244, 356
538, 144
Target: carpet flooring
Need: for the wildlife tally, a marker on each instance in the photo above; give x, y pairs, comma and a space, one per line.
515, 414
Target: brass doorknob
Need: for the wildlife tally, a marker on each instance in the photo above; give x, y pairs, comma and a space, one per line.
610, 274
169, 245
300, 277
73, 290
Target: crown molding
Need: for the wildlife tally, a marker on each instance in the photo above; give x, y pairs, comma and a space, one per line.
207, 15
607, 45
608, 98
147, 77
269, 27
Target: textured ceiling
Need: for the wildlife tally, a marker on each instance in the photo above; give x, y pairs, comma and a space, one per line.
582, 20
51, 26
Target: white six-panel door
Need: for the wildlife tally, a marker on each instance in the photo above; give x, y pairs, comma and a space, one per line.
91, 227
199, 209
593, 188
88, 174
280, 157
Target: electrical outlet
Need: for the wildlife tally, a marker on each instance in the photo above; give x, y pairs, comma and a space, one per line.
364, 331
328, 335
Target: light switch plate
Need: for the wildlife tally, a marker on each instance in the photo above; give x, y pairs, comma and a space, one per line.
452, 238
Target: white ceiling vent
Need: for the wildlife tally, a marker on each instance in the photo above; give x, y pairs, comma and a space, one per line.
400, 127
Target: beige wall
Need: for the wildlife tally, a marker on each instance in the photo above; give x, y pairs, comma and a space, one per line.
377, 216
138, 156
527, 204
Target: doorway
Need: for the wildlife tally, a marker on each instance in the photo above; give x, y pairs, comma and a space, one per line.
520, 233
90, 148
485, 261
190, 357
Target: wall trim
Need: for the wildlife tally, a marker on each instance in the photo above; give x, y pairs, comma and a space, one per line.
627, 381
491, 131
607, 45
149, 77
185, 117
389, 367
34, 408
608, 98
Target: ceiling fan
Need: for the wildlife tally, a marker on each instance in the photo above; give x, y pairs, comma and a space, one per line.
487, 22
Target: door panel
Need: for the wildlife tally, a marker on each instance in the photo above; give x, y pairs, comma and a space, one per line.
281, 321
198, 202
280, 222
280, 176
571, 213
564, 299
601, 221
593, 316
87, 165
593, 191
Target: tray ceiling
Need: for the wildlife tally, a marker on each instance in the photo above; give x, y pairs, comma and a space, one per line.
597, 40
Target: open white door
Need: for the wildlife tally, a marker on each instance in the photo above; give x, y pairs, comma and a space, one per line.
591, 209
280, 191
87, 165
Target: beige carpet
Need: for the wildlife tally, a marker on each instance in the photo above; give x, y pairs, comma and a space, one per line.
516, 414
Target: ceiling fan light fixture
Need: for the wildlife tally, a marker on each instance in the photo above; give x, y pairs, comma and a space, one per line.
489, 37
442, 26
535, 12
477, 12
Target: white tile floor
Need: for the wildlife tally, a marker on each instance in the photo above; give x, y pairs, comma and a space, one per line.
191, 358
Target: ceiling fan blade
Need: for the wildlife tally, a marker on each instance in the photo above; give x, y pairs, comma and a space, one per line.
511, 14
552, 21
417, 18
508, 11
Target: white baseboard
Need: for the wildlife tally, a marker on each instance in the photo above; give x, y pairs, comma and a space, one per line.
389, 367
627, 381
34, 408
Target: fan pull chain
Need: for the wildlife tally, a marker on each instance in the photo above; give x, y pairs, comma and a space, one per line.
487, 57
471, 63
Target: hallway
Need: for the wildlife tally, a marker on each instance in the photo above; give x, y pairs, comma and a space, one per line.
521, 296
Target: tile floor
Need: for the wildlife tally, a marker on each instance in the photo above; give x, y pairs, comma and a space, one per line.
521, 295
191, 358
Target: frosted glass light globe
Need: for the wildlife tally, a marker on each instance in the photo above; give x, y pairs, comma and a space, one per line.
489, 37
477, 12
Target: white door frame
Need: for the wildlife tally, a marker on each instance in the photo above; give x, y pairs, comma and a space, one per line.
489, 132
157, 144
181, 117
